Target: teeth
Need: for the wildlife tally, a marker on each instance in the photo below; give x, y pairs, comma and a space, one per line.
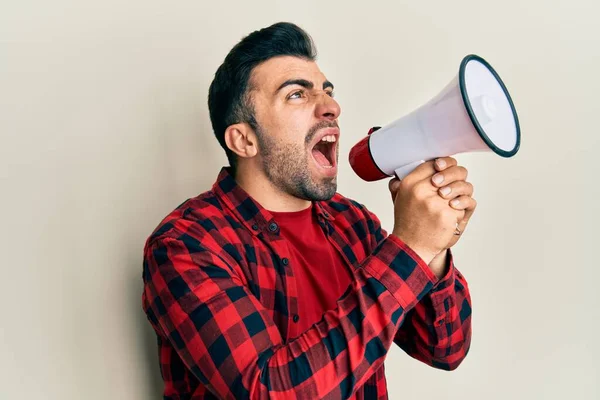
328, 138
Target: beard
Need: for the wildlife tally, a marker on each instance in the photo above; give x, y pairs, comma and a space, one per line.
286, 165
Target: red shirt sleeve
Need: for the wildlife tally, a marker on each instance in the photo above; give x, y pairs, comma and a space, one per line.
437, 331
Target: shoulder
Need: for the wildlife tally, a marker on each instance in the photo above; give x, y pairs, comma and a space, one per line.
195, 217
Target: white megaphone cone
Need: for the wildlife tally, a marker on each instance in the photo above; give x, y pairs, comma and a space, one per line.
474, 112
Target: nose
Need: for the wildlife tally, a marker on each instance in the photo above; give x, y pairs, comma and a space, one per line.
327, 108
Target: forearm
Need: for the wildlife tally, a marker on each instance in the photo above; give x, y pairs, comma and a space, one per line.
438, 330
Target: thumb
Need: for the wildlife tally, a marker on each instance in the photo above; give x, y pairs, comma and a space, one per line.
393, 185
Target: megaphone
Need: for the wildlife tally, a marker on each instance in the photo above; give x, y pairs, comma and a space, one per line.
474, 112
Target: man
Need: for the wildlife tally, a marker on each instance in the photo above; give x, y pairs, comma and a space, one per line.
272, 285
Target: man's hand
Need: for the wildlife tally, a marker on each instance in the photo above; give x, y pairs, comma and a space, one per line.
454, 191
451, 179
422, 218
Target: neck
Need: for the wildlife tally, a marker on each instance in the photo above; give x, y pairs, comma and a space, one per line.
257, 185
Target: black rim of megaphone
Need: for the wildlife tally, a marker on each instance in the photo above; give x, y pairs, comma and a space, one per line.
463, 92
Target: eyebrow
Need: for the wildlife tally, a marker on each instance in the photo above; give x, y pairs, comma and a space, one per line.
304, 83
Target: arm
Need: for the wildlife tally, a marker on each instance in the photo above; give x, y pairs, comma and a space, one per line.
227, 340
437, 331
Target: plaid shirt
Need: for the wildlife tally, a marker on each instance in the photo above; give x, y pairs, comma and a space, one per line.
221, 295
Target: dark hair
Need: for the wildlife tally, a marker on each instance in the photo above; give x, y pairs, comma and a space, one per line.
229, 99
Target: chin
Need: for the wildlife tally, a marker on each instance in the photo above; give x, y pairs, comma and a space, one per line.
325, 191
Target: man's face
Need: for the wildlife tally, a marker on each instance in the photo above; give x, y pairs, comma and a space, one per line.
297, 127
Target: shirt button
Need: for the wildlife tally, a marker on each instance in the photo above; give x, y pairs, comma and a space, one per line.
285, 261
255, 227
273, 227
296, 318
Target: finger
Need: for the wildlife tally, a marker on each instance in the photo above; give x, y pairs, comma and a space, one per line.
422, 172
466, 203
443, 163
469, 212
460, 216
456, 189
449, 175
462, 224
393, 185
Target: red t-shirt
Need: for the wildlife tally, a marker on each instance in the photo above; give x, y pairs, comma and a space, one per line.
321, 273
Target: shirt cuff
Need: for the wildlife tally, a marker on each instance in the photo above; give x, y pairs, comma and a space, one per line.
443, 292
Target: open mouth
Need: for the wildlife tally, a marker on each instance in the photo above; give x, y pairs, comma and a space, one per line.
324, 151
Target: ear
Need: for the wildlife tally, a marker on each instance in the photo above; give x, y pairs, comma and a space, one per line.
241, 139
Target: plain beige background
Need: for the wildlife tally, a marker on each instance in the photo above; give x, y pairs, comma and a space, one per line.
105, 129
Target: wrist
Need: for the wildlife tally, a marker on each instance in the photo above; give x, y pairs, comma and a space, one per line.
439, 264
426, 254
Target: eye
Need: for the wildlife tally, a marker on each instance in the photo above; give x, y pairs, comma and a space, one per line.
296, 95
331, 93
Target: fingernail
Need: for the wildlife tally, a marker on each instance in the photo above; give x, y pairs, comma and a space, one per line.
438, 178
455, 203
445, 190
441, 163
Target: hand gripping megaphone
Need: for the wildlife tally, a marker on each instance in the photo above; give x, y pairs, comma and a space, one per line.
474, 112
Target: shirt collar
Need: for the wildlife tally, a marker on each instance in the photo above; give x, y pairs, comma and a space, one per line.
255, 217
